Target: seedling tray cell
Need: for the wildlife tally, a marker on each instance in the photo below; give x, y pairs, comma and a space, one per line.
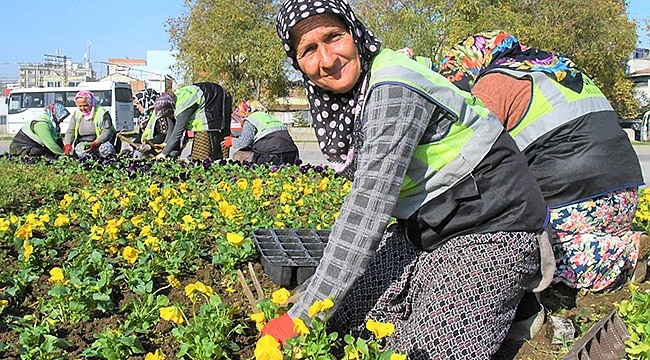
290, 256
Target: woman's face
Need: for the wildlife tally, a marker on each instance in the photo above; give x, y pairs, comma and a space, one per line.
326, 53
82, 105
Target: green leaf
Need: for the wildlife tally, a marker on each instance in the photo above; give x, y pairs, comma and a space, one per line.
58, 290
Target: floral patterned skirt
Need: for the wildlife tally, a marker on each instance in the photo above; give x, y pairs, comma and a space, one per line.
594, 245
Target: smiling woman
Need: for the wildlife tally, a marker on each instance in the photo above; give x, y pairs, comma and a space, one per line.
421, 151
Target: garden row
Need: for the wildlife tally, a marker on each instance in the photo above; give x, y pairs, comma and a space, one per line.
124, 259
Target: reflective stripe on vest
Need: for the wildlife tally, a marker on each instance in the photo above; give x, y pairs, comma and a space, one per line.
265, 124
28, 128
147, 133
185, 98
439, 165
553, 105
97, 120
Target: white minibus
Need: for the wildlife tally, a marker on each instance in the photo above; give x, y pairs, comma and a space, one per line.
116, 97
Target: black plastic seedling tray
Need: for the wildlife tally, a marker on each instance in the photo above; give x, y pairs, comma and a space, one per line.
290, 256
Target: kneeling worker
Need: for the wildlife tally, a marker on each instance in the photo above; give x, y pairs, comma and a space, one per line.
267, 137
42, 134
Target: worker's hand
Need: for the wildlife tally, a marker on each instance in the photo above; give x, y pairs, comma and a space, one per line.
67, 149
159, 147
93, 146
227, 142
160, 156
281, 328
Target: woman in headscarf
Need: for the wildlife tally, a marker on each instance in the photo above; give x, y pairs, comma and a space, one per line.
41, 135
144, 101
158, 130
450, 272
91, 130
582, 159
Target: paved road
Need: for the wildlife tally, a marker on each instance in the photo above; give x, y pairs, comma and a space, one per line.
310, 153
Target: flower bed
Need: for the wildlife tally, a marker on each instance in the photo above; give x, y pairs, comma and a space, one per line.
138, 259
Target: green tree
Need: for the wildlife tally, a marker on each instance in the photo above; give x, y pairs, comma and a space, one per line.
599, 38
232, 43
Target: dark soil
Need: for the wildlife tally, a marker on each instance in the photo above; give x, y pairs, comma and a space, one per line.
584, 310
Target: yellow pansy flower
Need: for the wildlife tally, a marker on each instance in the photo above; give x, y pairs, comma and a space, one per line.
235, 238
112, 250
182, 187
381, 330
299, 327
191, 290
169, 192
4, 303
56, 276
214, 195
397, 357
172, 313
157, 355
130, 254
267, 348
153, 243
24, 232
28, 250
96, 232
327, 304
153, 190
4, 224
94, 210
145, 231
177, 201
260, 320
137, 220
242, 184
61, 220
280, 297
171, 279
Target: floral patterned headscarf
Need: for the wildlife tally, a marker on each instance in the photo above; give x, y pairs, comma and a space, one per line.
90, 98
56, 112
485, 51
333, 113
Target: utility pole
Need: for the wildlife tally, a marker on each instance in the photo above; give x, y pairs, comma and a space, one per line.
57, 59
89, 43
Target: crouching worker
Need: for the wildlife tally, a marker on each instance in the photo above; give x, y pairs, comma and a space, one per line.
41, 135
266, 136
205, 109
158, 128
91, 130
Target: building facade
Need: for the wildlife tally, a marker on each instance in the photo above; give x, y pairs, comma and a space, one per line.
639, 73
51, 74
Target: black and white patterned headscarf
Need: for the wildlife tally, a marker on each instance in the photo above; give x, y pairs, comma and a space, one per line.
333, 114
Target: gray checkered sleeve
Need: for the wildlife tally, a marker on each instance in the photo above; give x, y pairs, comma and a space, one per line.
395, 119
